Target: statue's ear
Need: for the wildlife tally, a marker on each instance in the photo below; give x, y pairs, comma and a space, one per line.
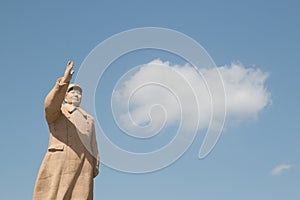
65, 99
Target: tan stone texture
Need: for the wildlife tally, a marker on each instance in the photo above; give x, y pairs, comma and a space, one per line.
72, 159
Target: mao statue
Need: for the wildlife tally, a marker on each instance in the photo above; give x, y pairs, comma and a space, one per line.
72, 160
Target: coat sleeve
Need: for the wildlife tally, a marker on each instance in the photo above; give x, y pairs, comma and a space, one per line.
54, 101
95, 152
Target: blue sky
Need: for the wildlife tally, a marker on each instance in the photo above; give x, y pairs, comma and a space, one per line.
37, 39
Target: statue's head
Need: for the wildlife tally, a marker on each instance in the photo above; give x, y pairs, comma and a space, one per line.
73, 95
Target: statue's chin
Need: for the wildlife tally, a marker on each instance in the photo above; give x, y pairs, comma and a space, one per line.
76, 104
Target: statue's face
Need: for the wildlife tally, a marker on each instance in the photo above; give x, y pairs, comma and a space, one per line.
73, 97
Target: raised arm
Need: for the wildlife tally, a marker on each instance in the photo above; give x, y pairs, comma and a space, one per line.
56, 96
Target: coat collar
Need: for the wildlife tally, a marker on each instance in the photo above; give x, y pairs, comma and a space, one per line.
70, 108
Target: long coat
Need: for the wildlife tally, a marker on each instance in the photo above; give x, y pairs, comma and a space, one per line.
72, 159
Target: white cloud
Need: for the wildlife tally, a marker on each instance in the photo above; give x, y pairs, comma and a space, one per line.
245, 90
159, 94
280, 168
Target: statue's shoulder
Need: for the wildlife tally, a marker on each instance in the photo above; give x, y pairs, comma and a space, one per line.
87, 114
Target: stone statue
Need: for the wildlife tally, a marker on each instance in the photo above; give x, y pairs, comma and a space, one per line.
72, 160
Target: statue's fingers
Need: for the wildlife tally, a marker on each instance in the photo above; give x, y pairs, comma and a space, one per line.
72, 72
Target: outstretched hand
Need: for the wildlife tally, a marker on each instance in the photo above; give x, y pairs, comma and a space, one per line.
68, 72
